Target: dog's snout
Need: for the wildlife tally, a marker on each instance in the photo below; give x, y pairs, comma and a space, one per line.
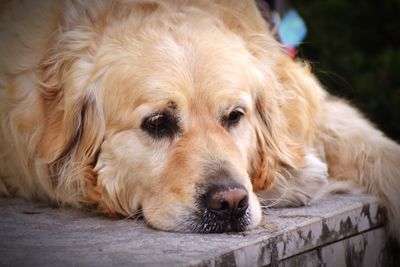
227, 200
224, 204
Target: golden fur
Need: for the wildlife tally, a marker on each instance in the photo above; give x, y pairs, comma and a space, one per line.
79, 78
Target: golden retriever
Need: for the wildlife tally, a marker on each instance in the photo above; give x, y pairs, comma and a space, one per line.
187, 112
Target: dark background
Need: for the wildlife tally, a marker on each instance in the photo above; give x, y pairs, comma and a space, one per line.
354, 48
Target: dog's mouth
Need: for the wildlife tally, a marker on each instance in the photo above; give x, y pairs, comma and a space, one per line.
209, 222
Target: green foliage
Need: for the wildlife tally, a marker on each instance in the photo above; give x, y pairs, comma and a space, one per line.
354, 47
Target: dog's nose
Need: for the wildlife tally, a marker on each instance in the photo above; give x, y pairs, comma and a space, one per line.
227, 200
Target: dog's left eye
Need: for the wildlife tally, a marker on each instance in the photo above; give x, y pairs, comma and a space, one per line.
233, 117
161, 124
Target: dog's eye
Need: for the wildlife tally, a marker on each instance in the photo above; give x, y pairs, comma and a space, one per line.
233, 118
161, 124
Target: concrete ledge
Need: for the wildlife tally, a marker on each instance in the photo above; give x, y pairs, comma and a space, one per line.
340, 230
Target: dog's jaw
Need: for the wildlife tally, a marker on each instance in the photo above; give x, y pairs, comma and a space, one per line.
196, 219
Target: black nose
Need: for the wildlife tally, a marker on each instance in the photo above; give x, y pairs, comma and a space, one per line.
227, 200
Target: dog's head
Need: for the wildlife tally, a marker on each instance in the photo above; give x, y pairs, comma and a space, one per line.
177, 111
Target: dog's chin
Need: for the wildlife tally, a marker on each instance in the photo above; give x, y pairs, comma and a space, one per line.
208, 222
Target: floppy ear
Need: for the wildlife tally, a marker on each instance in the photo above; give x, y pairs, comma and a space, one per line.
276, 150
74, 125
71, 108
287, 112
287, 107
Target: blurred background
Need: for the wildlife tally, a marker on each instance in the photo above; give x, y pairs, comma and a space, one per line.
354, 48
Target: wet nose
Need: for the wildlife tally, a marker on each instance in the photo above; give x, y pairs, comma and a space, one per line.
227, 200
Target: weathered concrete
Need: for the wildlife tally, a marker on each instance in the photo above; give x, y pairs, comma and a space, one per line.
338, 230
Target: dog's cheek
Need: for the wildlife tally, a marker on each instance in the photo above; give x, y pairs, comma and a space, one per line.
162, 214
169, 208
127, 173
173, 201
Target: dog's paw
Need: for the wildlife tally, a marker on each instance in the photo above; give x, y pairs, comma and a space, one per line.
3, 189
298, 187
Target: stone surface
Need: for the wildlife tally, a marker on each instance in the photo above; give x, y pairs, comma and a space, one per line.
33, 234
367, 249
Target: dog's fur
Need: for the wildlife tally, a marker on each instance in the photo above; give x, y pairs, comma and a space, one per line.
79, 81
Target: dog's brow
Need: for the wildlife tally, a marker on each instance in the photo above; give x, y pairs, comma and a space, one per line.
172, 105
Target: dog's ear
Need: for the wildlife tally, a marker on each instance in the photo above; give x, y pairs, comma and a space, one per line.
287, 112
276, 148
74, 123
287, 107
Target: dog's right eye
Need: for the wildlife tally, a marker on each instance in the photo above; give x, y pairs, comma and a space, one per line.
233, 118
161, 124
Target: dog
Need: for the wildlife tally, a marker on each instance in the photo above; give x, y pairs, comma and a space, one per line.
188, 113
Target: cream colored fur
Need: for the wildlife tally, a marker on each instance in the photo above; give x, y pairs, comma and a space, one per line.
78, 78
